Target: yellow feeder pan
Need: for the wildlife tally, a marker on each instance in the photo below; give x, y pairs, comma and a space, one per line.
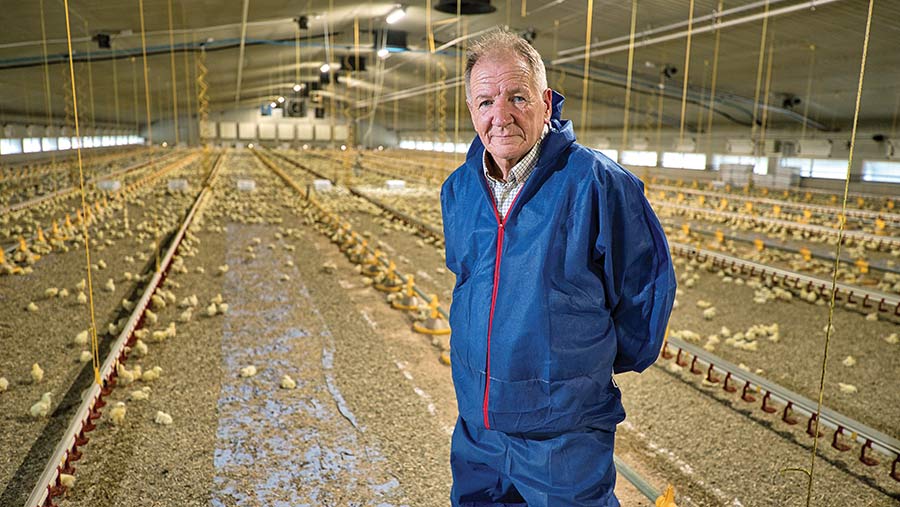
445, 358
409, 301
434, 324
371, 270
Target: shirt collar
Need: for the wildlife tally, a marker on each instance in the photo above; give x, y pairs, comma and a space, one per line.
523, 166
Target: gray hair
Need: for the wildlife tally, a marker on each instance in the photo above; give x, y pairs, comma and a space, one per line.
500, 41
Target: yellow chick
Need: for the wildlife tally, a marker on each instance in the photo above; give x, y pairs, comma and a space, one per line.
223, 308
85, 356
81, 338
37, 373
170, 330
82, 298
847, 388
32, 307
162, 418
140, 395
125, 376
152, 374
211, 310
4, 384
67, 480
288, 383
81, 285
52, 292
63, 293
150, 317
223, 269
117, 414
110, 285
41, 408
217, 300
849, 361
140, 348
157, 302
248, 371
186, 315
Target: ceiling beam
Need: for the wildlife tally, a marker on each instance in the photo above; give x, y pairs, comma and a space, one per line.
240, 69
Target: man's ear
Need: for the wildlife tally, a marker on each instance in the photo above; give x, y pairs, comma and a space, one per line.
547, 97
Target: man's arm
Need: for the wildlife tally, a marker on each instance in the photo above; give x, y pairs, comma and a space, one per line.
637, 268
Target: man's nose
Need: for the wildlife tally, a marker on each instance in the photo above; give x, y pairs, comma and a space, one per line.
501, 114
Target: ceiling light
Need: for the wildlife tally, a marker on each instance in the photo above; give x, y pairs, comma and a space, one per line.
343, 147
298, 87
383, 53
273, 105
396, 15
325, 68
250, 146
281, 100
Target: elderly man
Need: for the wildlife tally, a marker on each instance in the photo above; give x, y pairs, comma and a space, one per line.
563, 277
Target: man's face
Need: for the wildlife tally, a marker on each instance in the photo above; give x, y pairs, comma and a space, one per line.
508, 111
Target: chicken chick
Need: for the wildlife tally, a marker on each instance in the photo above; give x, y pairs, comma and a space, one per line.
211, 310
67, 480
288, 383
37, 373
4, 384
186, 315
52, 292
81, 338
85, 356
162, 418
125, 376
847, 388
82, 298
32, 307
248, 371
41, 408
140, 395
152, 374
223, 308
117, 413
110, 285
223, 269
140, 348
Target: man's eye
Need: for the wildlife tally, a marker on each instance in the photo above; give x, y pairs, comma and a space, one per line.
485, 103
518, 99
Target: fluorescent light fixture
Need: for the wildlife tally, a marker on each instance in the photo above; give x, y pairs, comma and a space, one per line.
250, 146
281, 100
383, 53
273, 105
165, 144
298, 87
325, 67
396, 15
343, 147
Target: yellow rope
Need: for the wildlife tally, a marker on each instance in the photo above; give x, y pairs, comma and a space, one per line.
759, 69
95, 347
765, 98
146, 76
687, 70
712, 86
587, 67
806, 99
174, 80
837, 257
628, 78
46, 77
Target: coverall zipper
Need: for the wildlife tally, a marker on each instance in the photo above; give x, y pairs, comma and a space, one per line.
501, 228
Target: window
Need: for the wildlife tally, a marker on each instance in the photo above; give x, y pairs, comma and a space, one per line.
885, 172
612, 154
462, 147
804, 164
31, 144
48, 144
64, 143
10, 146
641, 158
120, 140
424, 145
760, 164
108, 141
98, 141
680, 160
827, 168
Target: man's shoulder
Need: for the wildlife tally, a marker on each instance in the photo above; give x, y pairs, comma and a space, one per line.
590, 163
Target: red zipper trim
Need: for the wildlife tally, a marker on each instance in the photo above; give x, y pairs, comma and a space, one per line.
501, 225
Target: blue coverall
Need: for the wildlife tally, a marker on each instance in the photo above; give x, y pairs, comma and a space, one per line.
575, 283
